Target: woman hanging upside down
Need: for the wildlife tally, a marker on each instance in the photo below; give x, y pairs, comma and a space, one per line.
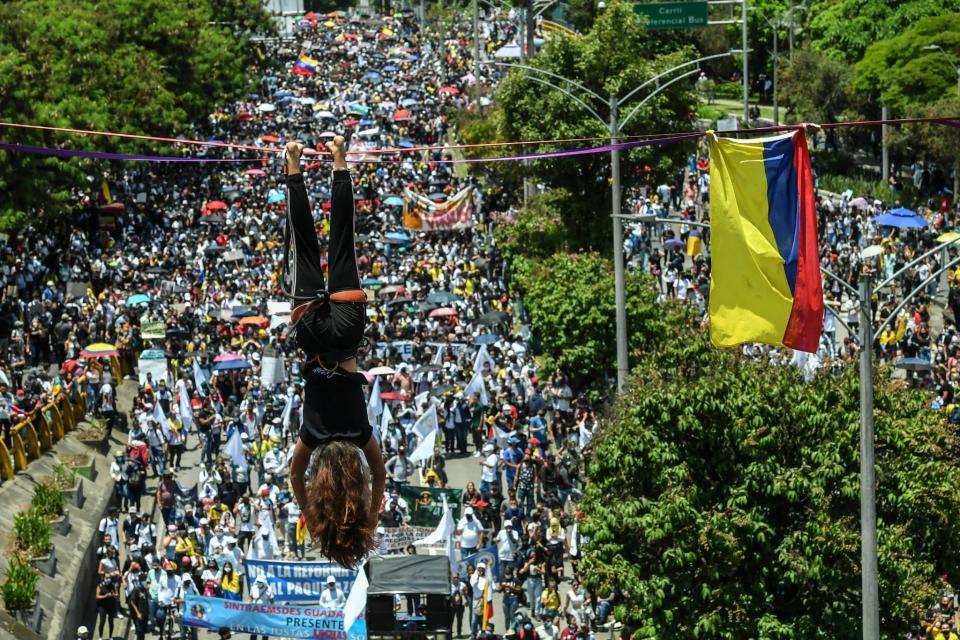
342, 500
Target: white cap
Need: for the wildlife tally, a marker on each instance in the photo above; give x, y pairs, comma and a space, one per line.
468, 511
381, 530
331, 580
487, 448
82, 630
481, 565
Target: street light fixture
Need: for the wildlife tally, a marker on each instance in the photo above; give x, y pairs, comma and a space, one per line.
936, 47
613, 125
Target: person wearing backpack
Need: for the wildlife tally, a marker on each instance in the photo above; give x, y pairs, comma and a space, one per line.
136, 482
244, 513
139, 603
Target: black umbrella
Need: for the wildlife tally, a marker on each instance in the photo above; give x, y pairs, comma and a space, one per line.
215, 219
427, 368
441, 389
424, 307
443, 297
492, 318
913, 364
157, 271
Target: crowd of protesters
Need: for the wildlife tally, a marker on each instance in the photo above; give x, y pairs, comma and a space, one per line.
196, 250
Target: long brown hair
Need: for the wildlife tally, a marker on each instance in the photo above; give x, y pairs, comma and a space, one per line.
337, 513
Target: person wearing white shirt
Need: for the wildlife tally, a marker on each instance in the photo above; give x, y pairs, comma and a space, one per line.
333, 596
264, 545
508, 542
292, 509
490, 473
478, 582
469, 530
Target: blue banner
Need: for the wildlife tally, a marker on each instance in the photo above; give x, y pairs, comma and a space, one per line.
280, 620
487, 555
298, 581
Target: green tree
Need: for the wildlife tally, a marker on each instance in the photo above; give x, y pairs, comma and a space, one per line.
132, 66
570, 301
723, 497
844, 29
900, 73
616, 55
814, 88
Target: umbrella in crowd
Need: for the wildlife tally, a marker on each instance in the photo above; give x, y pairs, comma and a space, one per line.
99, 350
901, 219
138, 298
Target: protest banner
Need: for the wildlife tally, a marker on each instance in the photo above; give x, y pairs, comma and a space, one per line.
153, 330
278, 620
426, 506
487, 555
298, 581
396, 539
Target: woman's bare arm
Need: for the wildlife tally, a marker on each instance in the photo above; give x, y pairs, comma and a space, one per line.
298, 470
378, 475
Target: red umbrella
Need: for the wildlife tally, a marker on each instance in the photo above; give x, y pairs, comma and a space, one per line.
451, 90
271, 139
349, 123
216, 205
443, 312
394, 395
401, 114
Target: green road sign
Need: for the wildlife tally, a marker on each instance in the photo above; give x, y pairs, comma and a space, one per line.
674, 15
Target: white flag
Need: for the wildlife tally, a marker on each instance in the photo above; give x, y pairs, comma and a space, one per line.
477, 385
375, 403
502, 437
186, 409
385, 418
438, 358
483, 356
287, 410
427, 423
425, 449
445, 527
356, 600
160, 418
235, 450
420, 400
199, 377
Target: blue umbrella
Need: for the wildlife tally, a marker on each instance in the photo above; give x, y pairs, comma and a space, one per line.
913, 364
230, 188
276, 197
283, 100
282, 94
242, 312
372, 75
408, 102
399, 236
405, 144
437, 196
486, 338
359, 108
371, 282
138, 298
901, 219
229, 365
393, 201
365, 122
390, 68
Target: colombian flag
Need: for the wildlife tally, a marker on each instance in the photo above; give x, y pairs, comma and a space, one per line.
765, 281
305, 65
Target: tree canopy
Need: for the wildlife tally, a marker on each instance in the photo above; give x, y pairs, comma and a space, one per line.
901, 73
131, 66
844, 29
615, 56
723, 497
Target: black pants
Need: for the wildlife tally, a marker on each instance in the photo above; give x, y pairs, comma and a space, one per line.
333, 329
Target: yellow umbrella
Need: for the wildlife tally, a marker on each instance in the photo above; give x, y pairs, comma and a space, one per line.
99, 350
949, 236
329, 23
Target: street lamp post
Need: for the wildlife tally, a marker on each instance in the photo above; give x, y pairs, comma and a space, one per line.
614, 124
936, 47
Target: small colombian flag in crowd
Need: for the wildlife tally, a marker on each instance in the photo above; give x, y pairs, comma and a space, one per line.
305, 65
765, 281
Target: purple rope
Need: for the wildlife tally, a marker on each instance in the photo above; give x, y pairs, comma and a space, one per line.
99, 155
620, 146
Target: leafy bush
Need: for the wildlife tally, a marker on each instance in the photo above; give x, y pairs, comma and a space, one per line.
19, 585
31, 532
571, 304
48, 500
537, 231
723, 496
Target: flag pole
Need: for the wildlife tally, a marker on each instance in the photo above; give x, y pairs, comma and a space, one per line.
868, 507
